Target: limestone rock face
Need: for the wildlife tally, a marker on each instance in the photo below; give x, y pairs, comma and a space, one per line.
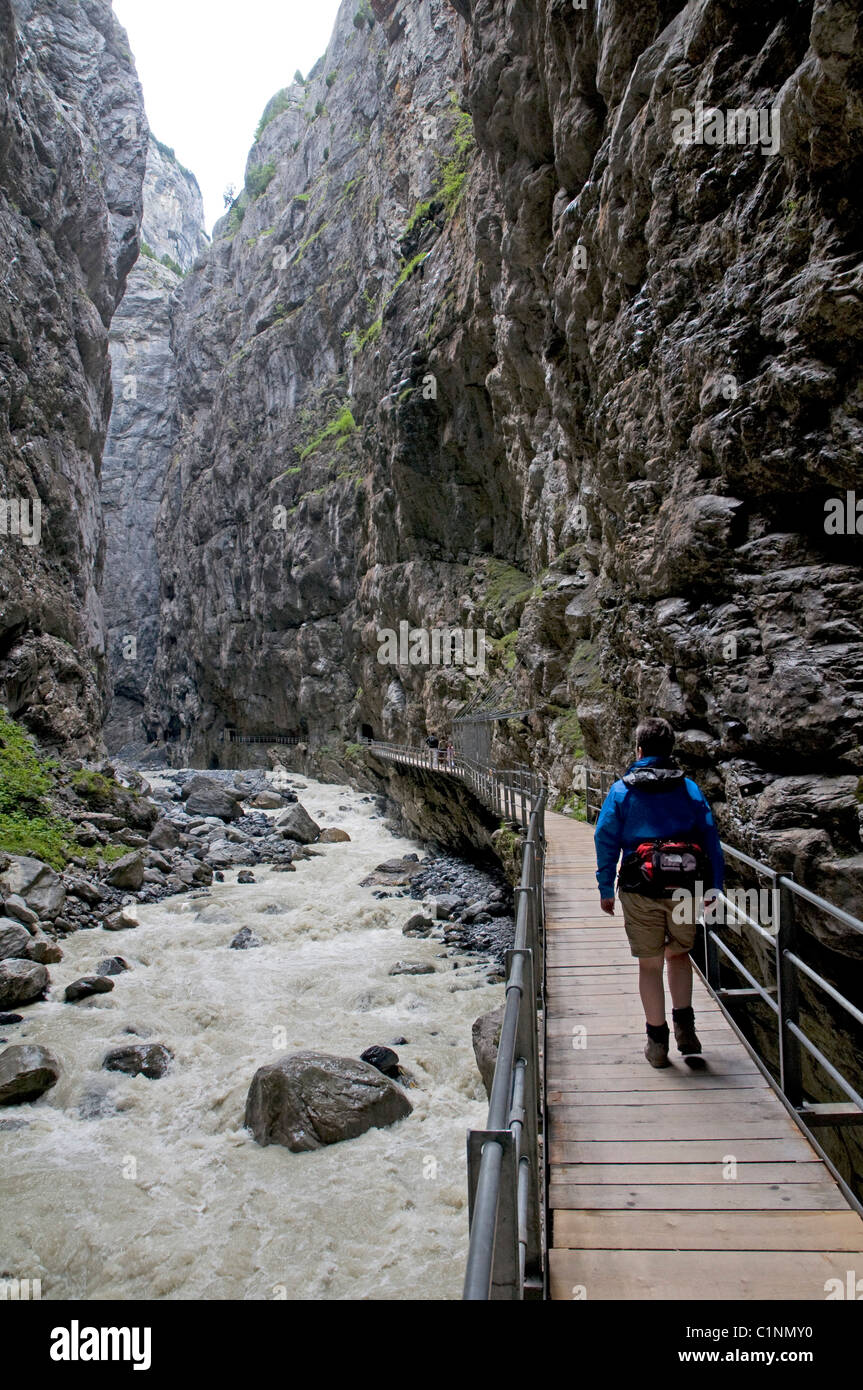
73, 141
534, 367
309, 1099
142, 432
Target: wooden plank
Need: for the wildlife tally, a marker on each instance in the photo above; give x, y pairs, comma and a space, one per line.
618, 1123
562, 1103
668, 1080
640, 1174
590, 1150
722, 1230
717, 1196
798, 1276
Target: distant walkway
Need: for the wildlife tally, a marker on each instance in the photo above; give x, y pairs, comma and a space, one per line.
642, 1199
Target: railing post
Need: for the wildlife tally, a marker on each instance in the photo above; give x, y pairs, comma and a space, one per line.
788, 998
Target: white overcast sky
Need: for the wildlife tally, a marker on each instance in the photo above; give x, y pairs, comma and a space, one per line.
208, 69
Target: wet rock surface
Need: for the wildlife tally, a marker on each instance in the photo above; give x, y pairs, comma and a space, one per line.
26, 1072
309, 1099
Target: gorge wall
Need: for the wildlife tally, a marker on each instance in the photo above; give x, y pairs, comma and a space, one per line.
73, 139
481, 344
142, 434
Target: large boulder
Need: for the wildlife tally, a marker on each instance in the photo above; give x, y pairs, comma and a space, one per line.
14, 939
308, 1099
295, 823
164, 835
267, 801
205, 797
486, 1039
26, 1072
140, 1059
35, 883
127, 872
21, 981
333, 836
87, 985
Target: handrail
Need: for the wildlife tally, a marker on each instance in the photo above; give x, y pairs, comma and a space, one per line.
505, 1170
506, 1187
784, 934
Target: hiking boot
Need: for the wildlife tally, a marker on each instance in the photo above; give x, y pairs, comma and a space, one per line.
686, 1038
656, 1053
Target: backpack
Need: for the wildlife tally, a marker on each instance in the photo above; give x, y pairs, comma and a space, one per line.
655, 868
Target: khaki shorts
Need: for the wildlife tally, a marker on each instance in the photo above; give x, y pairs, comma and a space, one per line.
650, 925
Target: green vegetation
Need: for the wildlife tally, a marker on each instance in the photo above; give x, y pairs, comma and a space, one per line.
371, 335
568, 731
169, 154
338, 430
505, 648
275, 107
332, 77
27, 823
408, 270
259, 179
24, 778
363, 15
571, 804
419, 214
506, 585
165, 260
319, 109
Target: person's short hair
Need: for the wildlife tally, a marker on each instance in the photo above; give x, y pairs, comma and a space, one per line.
655, 737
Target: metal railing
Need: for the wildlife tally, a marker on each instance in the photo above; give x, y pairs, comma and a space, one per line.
509, 792
785, 938
231, 736
505, 1163
506, 1175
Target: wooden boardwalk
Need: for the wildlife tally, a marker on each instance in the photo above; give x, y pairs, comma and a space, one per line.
642, 1197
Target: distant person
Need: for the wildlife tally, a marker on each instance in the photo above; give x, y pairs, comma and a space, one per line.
450, 755
434, 745
662, 824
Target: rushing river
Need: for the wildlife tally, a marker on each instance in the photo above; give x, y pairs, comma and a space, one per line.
162, 1193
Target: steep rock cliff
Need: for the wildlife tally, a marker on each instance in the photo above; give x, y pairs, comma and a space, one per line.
584, 387
73, 140
142, 433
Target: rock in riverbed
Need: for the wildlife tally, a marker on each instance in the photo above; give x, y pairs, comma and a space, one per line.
140, 1059
245, 940
26, 1072
486, 1037
333, 836
411, 967
296, 824
87, 985
308, 1099
21, 982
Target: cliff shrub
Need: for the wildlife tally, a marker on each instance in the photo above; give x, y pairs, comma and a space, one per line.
259, 179
338, 430
275, 107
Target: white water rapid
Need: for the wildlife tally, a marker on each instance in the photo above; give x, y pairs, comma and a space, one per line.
164, 1194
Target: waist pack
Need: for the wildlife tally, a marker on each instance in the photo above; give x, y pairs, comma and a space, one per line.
656, 867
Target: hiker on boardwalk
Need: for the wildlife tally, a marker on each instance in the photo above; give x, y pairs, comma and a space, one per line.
663, 825
434, 745
450, 755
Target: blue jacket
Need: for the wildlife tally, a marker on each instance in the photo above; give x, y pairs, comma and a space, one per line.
634, 813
